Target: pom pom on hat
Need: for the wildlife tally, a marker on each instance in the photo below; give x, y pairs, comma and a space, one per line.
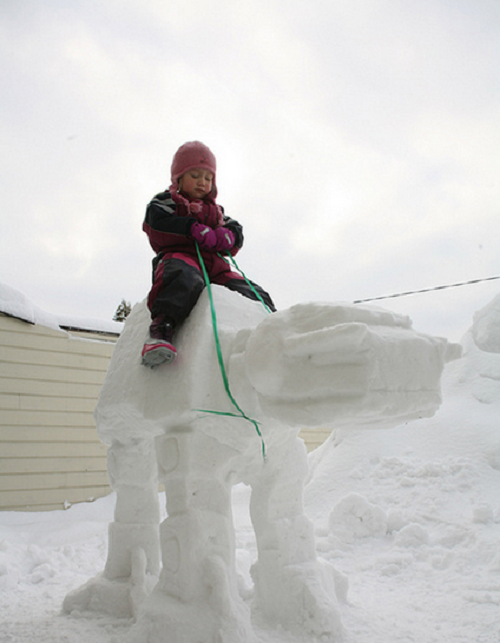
190, 156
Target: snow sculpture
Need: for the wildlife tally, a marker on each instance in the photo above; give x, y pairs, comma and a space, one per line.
314, 364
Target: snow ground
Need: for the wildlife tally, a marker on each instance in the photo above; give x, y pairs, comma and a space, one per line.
417, 536
410, 516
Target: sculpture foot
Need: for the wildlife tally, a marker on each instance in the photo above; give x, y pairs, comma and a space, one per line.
121, 597
302, 598
164, 617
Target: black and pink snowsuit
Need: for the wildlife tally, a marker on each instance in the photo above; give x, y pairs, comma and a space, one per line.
177, 275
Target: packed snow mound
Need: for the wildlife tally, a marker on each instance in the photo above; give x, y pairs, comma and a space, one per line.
486, 327
479, 370
354, 517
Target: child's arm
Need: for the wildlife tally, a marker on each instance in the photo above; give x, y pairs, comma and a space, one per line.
161, 215
165, 228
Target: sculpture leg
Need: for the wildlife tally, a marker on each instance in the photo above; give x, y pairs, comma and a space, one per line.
133, 562
196, 598
291, 587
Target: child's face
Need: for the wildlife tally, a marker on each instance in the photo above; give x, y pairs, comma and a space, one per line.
196, 183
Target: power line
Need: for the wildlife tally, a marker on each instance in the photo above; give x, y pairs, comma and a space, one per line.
416, 292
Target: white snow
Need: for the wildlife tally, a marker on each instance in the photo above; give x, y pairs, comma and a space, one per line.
408, 516
15, 304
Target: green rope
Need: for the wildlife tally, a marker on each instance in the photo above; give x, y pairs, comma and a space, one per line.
252, 287
241, 414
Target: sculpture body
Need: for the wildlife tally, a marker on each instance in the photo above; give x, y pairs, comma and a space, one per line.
314, 364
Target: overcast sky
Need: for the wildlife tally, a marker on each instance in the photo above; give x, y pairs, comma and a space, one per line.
358, 142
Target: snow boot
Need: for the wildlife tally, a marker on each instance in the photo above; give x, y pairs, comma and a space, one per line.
159, 349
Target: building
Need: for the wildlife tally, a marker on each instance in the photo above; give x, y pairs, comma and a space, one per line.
50, 376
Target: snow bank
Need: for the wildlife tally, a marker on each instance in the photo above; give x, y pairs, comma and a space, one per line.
481, 368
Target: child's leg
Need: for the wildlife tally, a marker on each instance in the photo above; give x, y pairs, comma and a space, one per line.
241, 286
222, 274
177, 284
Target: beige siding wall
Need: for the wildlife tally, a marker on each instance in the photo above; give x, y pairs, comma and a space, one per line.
314, 437
50, 454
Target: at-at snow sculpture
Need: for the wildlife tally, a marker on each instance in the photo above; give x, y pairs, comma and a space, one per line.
313, 364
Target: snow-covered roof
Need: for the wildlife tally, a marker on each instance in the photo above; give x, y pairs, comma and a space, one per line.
15, 304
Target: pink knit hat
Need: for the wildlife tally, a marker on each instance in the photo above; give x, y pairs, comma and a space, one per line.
189, 157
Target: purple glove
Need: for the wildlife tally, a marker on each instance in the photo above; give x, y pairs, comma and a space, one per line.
225, 239
204, 235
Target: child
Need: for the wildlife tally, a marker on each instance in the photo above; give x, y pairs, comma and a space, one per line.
176, 220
